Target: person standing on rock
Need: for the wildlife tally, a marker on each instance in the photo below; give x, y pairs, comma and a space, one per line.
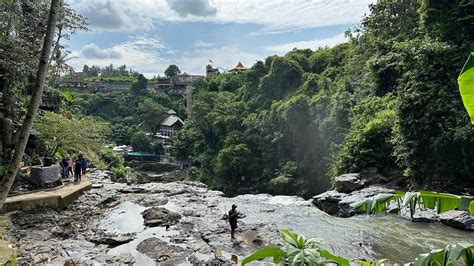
233, 216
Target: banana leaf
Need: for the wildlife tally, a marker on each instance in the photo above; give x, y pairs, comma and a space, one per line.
265, 252
447, 203
466, 86
465, 202
442, 201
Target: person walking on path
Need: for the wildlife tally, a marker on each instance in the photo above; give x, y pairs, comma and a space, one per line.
233, 216
84, 165
77, 171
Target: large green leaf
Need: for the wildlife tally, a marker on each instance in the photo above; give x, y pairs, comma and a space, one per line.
333, 258
455, 252
289, 237
265, 252
471, 208
466, 86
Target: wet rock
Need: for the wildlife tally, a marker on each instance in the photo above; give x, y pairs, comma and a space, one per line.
154, 201
133, 190
190, 212
112, 240
347, 183
109, 199
161, 251
95, 186
329, 201
458, 219
426, 216
122, 259
345, 210
158, 216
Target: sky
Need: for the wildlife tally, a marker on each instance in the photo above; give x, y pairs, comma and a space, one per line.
149, 35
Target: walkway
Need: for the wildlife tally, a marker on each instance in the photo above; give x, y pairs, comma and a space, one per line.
55, 198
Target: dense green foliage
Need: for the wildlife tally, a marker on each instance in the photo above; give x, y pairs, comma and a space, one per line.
387, 98
67, 134
126, 111
302, 251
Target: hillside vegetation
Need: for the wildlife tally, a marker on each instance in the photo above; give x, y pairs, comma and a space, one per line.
387, 98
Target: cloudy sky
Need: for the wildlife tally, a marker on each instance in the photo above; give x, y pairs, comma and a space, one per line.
149, 35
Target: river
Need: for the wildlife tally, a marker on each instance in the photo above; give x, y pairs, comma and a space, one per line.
201, 236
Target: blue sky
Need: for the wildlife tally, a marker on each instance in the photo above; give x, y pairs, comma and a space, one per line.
149, 35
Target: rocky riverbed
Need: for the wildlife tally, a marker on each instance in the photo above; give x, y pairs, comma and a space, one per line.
181, 223
176, 222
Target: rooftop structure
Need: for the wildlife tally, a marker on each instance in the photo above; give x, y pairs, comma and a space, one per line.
238, 68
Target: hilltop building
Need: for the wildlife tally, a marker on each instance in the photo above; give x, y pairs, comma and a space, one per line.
75, 80
210, 70
178, 87
171, 124
238, 68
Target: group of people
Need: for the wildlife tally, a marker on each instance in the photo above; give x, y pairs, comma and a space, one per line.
76, 168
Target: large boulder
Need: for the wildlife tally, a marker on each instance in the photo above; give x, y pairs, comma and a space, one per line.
347, 183
162, 252
47, 176
458, 219
329, 201
158, 216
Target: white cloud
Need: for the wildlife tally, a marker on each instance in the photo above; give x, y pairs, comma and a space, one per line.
107, 15
313, 44
136, 53
92, 51
200, 8
274, 15
200, 43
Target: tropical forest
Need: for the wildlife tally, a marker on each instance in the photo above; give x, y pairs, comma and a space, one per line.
344, 135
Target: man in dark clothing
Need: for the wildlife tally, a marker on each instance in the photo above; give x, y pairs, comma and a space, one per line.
64, 167
233, 216
84, 166
77, 170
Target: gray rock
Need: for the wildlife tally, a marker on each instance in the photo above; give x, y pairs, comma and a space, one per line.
158, 216
329, 201
426, 216
458, 219
161, 251
42, 176
345, 210
347, 183
133, 190
112, 240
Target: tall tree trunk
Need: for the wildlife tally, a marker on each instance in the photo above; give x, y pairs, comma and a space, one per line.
20, 145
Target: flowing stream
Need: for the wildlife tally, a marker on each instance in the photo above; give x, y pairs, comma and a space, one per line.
376, 236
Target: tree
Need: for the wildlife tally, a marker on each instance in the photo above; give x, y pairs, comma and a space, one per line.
139, 86
60, 132
141, 142
25, 130
152, 113
172, 73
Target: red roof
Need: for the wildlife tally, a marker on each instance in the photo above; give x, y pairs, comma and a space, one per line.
239, 66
